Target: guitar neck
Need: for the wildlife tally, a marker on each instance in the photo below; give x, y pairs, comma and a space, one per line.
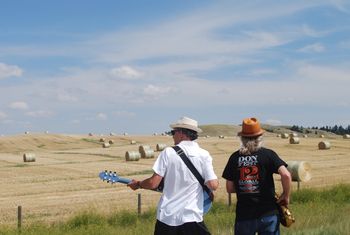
124, 180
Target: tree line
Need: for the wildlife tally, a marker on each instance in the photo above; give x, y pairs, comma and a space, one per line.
337, 129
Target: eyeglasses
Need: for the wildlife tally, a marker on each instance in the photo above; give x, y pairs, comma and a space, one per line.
173, 132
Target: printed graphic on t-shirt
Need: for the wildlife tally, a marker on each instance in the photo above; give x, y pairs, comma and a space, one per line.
249, 174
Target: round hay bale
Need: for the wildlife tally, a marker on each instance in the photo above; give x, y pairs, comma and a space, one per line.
147, 153
111, 141
29, 157
346, 136
293, 134
300, 170
321, 136
294, 140
106, 145
284, 136
221, 137
102, 140
160, 147
132, 156
133, 142
143, 147
324, 145
305, 136
278, 135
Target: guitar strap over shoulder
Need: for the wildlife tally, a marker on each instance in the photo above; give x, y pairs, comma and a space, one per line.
192, 168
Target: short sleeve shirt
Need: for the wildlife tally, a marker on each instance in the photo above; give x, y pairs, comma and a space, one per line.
253, 179
182, 198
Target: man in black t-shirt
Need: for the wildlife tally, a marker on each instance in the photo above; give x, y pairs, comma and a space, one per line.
249, 173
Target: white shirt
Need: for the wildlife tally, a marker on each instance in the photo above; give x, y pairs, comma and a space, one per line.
182, 198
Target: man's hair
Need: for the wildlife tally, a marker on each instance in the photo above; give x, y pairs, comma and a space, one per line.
250, 145
189, 133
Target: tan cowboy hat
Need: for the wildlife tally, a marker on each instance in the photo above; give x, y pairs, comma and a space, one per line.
186, 123
250, 128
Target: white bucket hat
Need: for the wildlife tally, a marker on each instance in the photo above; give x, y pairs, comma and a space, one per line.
186, 123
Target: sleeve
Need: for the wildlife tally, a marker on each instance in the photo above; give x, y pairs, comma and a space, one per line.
277, 161
209, 173
160, 165
228, 171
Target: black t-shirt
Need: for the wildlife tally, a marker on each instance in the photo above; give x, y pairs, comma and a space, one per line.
253, 179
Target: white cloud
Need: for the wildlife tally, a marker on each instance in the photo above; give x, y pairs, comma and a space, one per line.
154, 91
75, 121
10, 71
324, 73
125, 72
316, 47
19, 105
66, 97
309, 31
124, 114
263, 71
39, 113
3, 116
101, 116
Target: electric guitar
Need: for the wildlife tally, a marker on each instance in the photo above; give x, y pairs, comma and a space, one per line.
112, 177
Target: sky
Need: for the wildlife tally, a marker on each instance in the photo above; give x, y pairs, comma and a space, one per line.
92, 66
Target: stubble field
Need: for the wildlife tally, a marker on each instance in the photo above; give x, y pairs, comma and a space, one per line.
64, 178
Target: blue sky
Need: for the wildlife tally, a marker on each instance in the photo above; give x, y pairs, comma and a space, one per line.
136, 66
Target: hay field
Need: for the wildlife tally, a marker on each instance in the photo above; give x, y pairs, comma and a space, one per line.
64, 178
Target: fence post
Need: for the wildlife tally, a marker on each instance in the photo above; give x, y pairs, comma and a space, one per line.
139, 203
229, 199
19, 217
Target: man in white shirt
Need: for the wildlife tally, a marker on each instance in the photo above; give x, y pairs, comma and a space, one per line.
180, 209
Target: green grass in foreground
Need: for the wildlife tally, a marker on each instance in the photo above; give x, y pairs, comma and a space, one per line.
317, 212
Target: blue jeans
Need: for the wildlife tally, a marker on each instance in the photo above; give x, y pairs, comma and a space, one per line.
267, 225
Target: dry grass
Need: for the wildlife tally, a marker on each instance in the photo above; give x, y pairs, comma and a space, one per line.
64, 178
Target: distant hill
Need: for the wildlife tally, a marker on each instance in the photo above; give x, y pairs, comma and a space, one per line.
270, 130
220, 129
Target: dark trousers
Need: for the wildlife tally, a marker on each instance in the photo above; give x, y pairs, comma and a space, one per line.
266, 225
191, 228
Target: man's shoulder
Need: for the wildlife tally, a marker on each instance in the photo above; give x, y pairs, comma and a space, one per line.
267, 150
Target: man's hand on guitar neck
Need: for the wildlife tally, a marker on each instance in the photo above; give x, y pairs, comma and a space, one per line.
134, 184
149, 183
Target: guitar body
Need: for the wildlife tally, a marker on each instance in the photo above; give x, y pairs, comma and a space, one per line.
112, 177
207, 203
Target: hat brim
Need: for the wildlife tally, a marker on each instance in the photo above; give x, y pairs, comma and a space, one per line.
250, 135
193, 128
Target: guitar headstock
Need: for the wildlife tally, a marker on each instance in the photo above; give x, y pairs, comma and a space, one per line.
112, 177
109, 176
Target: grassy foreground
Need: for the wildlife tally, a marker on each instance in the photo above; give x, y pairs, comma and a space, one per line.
322, 212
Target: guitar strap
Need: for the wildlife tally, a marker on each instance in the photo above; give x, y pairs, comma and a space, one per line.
192, 168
